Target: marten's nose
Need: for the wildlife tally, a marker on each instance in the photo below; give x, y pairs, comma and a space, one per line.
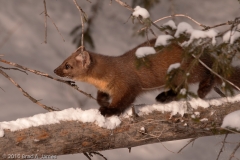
55, 70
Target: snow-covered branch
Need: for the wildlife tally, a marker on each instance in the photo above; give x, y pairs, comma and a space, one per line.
76, 136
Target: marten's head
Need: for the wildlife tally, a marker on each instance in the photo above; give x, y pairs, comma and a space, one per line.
75, 66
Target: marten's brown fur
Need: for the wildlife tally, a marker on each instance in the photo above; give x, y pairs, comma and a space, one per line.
121, 79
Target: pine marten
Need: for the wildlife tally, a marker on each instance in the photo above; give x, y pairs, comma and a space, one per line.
119, 77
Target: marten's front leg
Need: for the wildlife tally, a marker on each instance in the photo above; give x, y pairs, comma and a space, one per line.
103, 99
167, 96
205, 86
119, 103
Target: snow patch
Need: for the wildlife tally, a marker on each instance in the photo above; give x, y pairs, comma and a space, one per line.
144, 51
183, 27
139, 11
197, 34
93, 115
179, 107
204, 120
162, 40
183, 91
232, 120
173, 66
234, 36
71, 114
171, 24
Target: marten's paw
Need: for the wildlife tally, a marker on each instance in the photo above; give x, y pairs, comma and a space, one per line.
106, 111
102, 99
166, 97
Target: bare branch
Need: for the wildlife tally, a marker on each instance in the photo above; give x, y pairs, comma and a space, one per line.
56, 27
45, 20
25, 93
70, 83
216, 73
14, 69
82, 16
124, 5
223, 144
234, 151
190, 141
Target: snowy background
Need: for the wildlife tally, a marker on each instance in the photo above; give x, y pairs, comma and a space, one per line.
111, 37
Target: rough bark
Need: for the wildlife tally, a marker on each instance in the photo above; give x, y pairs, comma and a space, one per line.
77, 137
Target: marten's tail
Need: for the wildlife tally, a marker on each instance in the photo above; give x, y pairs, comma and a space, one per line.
235, 76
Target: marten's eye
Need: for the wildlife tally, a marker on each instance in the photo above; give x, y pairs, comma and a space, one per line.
67, 66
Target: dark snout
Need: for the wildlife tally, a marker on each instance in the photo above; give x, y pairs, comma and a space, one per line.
55, 71
58, 72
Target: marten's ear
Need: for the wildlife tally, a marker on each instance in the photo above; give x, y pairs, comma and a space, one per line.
84, 58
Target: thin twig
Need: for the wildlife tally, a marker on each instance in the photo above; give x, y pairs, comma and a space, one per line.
46, 15
216, 73
125, 5
229, 130
45, 20
190, 141
198, 23
25, 93
56, 27
234, 151
14, 69
70, 83
82, 15
223, 144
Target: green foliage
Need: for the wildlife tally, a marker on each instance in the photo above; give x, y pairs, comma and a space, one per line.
142, 62
220, 55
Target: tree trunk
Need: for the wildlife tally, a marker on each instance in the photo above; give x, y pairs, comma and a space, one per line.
77, 137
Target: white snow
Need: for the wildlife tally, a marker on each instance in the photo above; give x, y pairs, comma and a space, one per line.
232, 120
234, 36
142, 129
204, 120
140, 11
183, 91
171, 24
94, 116
197, 113
162, 40
144, 51
71, 114
173, 66
180, 107
197, 34
183, 27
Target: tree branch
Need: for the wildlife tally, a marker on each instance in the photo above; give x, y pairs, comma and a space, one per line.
82, 16
70, 83
77, 137
26, 94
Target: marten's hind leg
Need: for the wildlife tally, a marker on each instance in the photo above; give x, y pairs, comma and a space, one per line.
205, 86
167, 96
103, 99
118, 105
